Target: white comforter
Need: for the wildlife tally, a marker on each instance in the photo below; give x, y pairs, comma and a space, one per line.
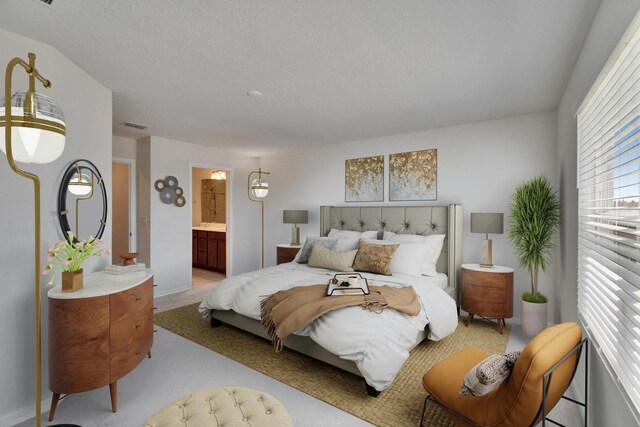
379, 344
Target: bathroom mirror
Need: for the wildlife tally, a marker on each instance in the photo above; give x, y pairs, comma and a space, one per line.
82, 201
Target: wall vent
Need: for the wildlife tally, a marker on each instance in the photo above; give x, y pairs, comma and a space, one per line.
134, 125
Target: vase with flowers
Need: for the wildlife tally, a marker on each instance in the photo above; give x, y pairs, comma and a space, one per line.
68, 257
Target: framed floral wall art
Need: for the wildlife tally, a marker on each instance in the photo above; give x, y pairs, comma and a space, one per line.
364, 179
413, 175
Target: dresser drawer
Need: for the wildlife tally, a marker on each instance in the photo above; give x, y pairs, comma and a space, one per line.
489, 280
131, 301
483, 293
131, 339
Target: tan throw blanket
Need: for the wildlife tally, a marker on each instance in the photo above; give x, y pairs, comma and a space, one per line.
286, 311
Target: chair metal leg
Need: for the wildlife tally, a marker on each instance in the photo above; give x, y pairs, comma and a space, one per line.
546, 384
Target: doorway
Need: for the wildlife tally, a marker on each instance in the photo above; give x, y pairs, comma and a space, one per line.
123, 194
209, 232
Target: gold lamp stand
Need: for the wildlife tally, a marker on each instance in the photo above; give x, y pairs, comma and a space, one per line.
30, 120
258, 190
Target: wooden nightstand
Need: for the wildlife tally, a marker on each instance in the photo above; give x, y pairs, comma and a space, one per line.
487, 292
286, 253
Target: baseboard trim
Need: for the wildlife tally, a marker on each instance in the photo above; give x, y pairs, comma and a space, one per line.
24, 413
160, 294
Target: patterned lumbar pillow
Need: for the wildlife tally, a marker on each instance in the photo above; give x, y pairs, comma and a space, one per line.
374, 258
487, 375
309, 243
332, 260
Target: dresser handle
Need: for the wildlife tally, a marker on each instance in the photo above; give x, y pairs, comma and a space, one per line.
138, 299
138, 352
137, 326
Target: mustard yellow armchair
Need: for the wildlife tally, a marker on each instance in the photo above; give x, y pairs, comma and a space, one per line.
538, 381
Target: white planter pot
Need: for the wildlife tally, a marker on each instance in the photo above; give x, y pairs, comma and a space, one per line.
534, 318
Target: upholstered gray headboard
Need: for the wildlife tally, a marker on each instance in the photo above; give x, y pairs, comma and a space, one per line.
406, 220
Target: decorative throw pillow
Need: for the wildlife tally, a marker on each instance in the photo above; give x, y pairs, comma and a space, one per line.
332, 260
408, 259
487, 375
309, 243
374, 258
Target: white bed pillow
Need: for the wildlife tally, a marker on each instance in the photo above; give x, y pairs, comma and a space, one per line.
408, 258
348, 234
346, 244
434, 242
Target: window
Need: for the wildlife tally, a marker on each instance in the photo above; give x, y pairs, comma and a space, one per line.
609, 215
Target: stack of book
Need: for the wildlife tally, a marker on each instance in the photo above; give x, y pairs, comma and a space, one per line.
119, 269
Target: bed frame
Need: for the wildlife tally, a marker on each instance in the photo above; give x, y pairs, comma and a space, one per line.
423, 220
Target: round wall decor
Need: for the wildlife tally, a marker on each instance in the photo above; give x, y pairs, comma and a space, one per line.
169, 191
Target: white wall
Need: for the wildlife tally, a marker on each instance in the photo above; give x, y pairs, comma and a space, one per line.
171, 226
479, 164
144, 188
125, 148
87, 108
613, 16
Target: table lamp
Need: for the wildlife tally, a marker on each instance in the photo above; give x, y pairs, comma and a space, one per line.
295, 218
487, 223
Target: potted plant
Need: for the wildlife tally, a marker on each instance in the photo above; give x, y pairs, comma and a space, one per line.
535, 217
69, 257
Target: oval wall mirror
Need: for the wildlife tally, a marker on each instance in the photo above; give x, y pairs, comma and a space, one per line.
82, 201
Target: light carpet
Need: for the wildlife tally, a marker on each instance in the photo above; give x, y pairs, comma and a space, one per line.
399, 405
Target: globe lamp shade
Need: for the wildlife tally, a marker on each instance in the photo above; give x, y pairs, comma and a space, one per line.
35, 138
259, 188
80, 185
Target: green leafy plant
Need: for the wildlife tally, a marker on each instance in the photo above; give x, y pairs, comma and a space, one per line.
535, 217
68, 256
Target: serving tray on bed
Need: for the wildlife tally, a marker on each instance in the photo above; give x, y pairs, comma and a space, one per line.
338, 285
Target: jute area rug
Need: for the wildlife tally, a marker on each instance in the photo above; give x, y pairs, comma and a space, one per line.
399, 405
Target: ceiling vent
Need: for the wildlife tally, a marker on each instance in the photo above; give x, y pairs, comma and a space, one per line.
47, 1
134, 125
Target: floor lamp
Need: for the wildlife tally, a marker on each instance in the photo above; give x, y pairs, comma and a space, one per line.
258, 190
34, 132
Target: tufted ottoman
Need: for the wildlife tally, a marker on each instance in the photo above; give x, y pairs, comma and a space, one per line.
229, 406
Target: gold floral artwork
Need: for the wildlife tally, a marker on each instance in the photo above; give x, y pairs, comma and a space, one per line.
413, 175
364, 179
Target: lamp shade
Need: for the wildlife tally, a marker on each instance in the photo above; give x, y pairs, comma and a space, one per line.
80, 185
259, 188
487, 223
36, 138
295, 217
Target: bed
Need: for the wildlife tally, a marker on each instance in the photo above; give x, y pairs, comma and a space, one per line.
375, 345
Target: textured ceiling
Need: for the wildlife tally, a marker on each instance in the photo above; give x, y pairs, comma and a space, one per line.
330, 70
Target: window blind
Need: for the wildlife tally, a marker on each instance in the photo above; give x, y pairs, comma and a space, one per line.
609, 217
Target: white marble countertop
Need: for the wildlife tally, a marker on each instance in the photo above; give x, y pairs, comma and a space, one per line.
213, 227
102, 283
494, 269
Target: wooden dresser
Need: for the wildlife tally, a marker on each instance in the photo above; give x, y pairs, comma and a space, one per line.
99, 334
487, 292
286, 253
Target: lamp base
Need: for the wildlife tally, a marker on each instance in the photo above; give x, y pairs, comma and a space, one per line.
295, 236
485, 254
